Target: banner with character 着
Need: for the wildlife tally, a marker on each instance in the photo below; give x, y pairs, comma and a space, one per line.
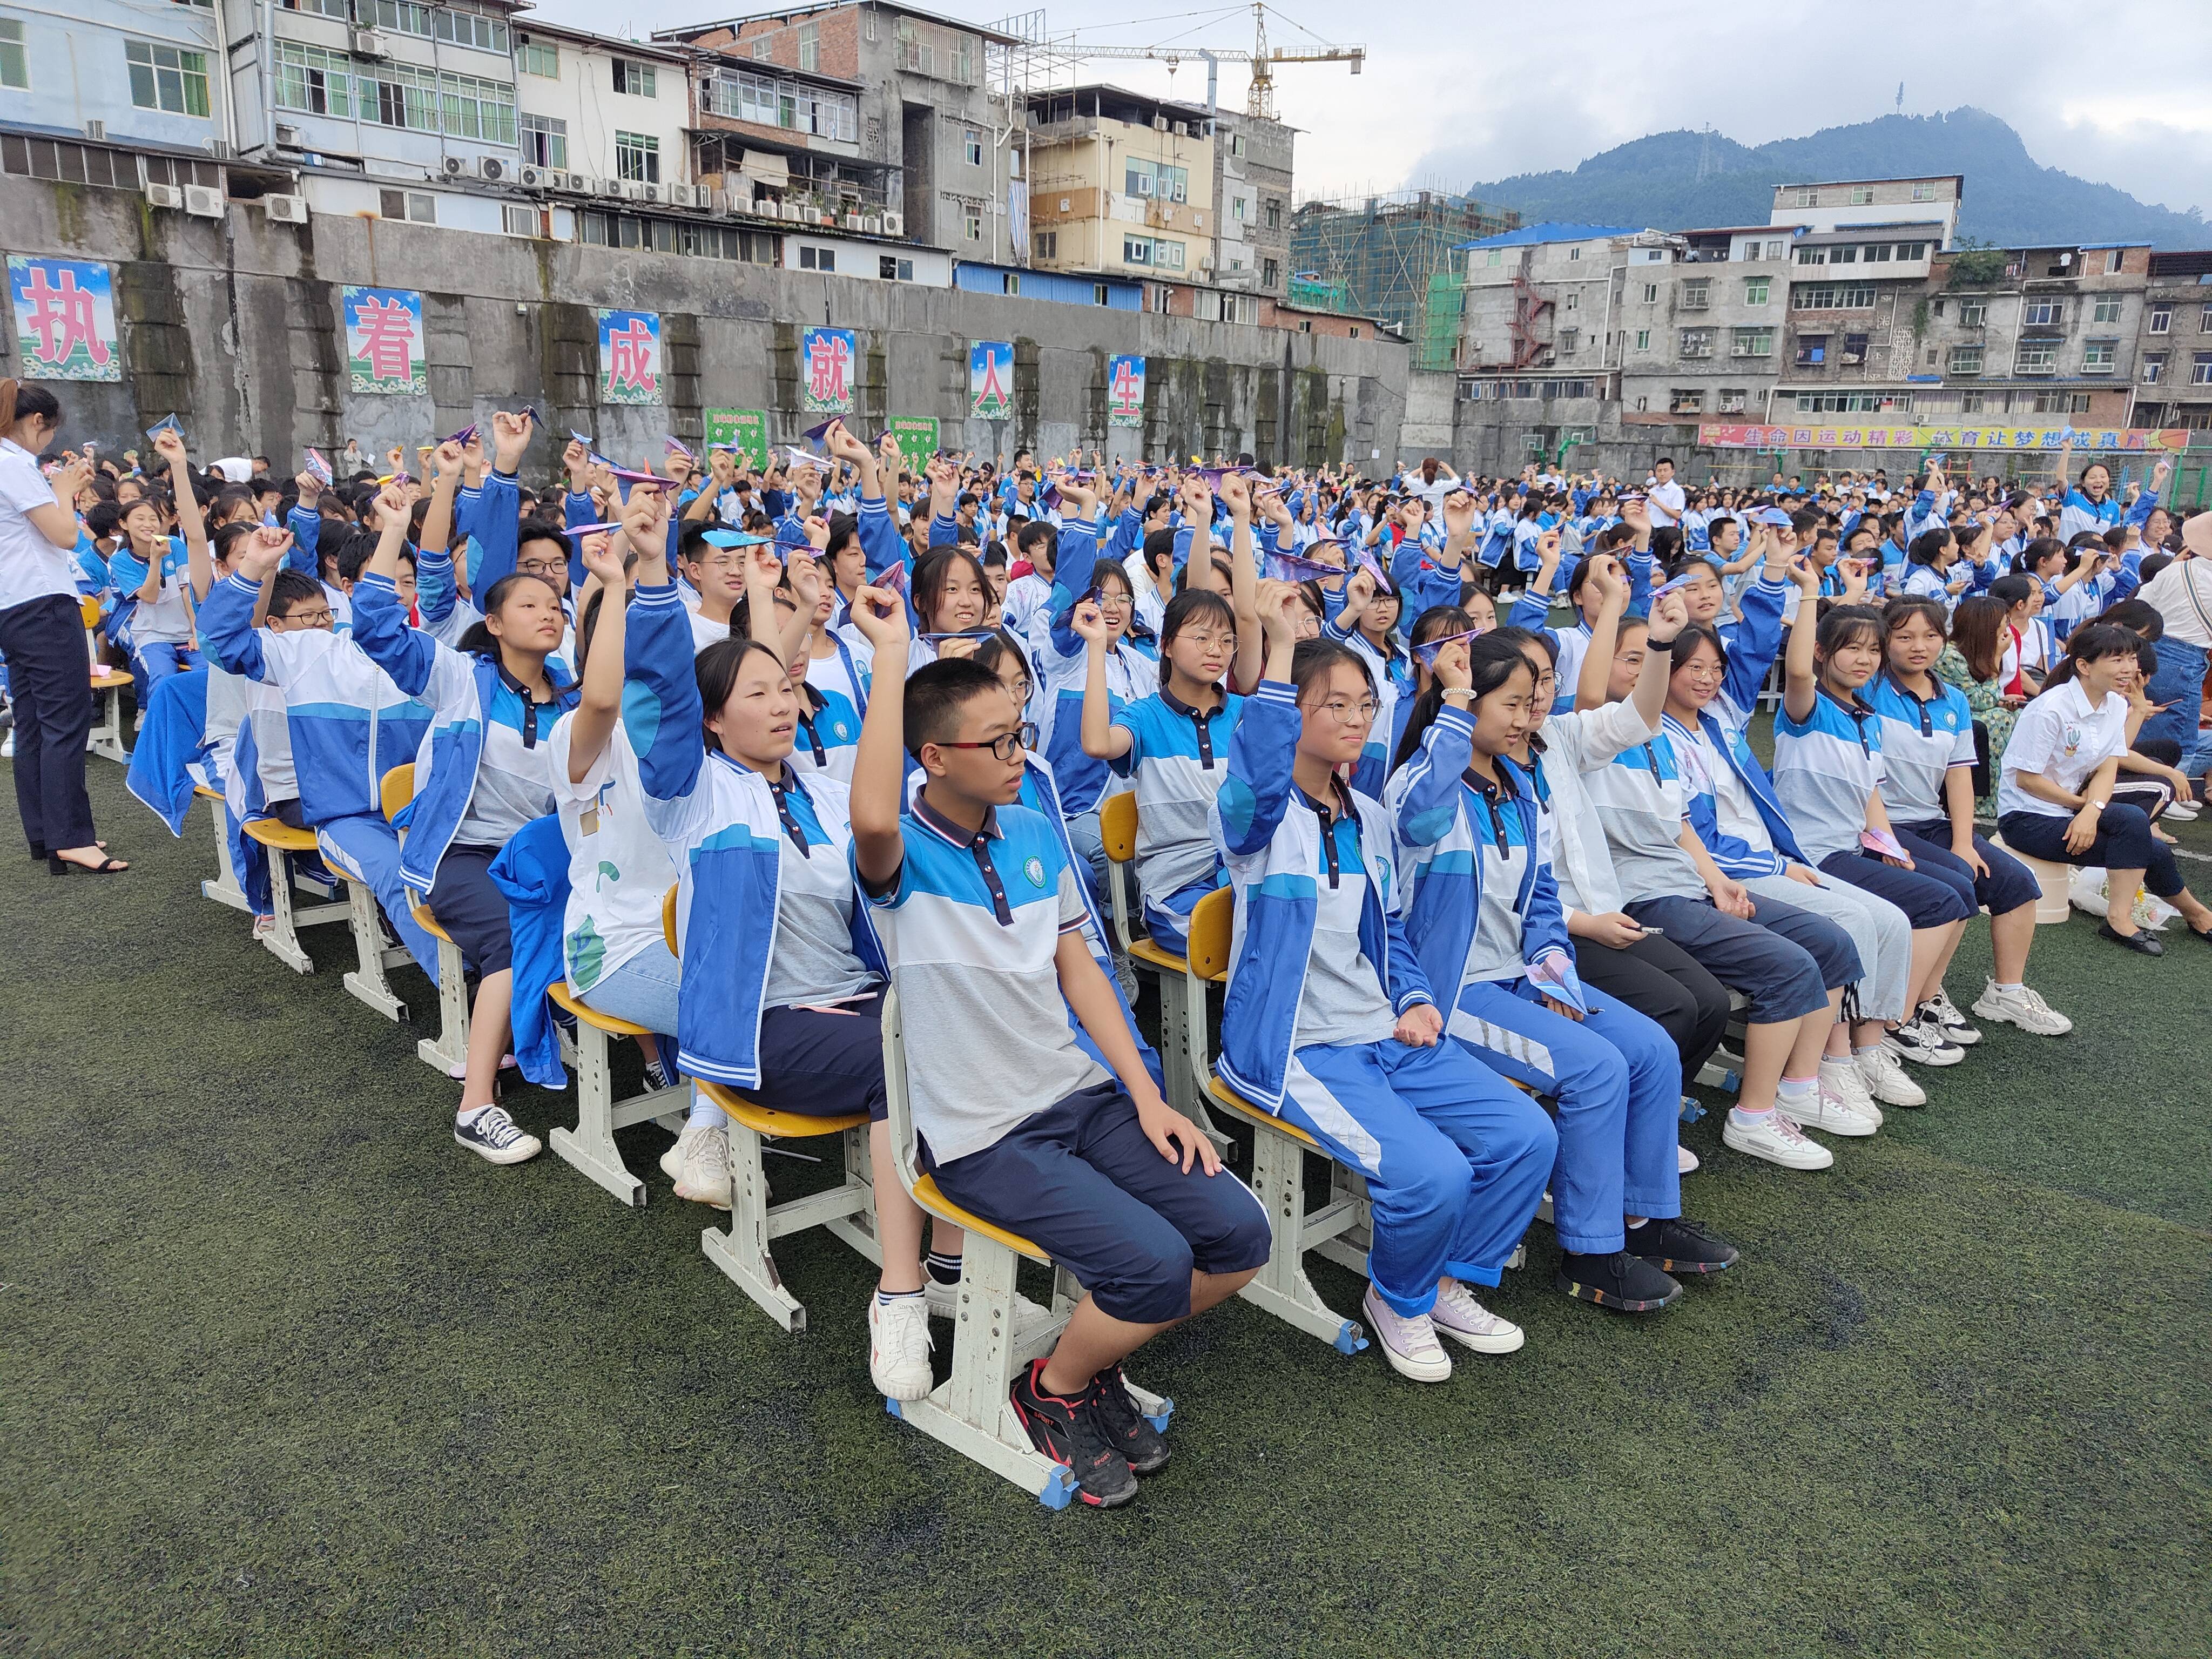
1125, 392
826, 360
383, 341
1948, 439
64, 320
629, 357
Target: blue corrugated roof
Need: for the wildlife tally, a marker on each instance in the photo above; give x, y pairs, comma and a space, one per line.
1552, 231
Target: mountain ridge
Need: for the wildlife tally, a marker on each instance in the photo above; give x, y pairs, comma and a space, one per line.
1683, 180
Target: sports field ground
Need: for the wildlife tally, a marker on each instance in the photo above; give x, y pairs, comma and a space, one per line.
283, 1371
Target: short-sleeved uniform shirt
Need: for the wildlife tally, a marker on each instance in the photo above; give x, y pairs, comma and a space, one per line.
2059, 737
1920, 742
1825, 766
969, 928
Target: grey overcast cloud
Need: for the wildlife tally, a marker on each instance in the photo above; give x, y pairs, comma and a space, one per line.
2120, 94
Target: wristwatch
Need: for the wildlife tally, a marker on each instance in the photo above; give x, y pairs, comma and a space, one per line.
2099, 804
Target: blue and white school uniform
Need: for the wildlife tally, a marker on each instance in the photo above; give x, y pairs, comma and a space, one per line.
2078, 513
1925, 581
1177, 758
1923, 742
157, 632
1568, 645
613, 948
1320, 972
1827, 769
348, 724
1060, 657
482, 769
1373, 766
1481, 911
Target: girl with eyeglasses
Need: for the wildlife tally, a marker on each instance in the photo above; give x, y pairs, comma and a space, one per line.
1331, 1023
1482, 912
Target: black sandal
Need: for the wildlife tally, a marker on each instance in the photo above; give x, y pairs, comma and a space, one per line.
58, 865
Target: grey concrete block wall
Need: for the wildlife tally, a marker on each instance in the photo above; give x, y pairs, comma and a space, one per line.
233, 324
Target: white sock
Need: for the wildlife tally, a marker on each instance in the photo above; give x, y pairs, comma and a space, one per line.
2016, 985
1795, 1091
884, 1298
704, 1110
467, 1114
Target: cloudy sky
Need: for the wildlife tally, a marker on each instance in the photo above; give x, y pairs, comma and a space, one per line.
2116, 92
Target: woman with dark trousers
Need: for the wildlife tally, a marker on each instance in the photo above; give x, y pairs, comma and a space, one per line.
42, 636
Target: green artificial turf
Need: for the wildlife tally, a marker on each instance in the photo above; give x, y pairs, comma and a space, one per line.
285, 1373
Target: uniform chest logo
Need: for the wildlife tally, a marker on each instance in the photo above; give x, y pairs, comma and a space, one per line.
1034, 869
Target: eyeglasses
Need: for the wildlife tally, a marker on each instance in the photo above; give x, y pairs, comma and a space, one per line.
322, 618
539, 567
1007, 745
1362, 713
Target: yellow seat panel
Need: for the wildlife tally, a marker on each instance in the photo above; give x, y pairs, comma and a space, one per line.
1144, 951
281, 837
206, 793
562, 996
1117, 826
1244, 1109
777, 1126
927, 1194
428, 923
396, 789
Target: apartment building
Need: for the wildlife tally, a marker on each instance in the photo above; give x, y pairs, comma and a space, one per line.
1122, 185
1252, 161
874, 117
1855, 205
609, 110
1701, 335
2173, 371
120, 73
1848, 337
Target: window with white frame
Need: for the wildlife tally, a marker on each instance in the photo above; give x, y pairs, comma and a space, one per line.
477, 108
2108, 311
974, 141
1862, 195
1755, 290
2099, 356
892, 269
2153, 368
520, 221
1650, 293
2036, 357
166, 78
1048, 244
1831, 296
415, 206
15, 69
1751, 343
2112, 260
310, 79
538, 58
1965, 359
545, 140
2200, 368
1643, 339
1973, 313
1684, 400
811, 257
1732, 399
1570, 338
2038, 313
1695, 342
2161, 319
1924, 192
470, 28
809, 47
637, 157
972, 223
637, 80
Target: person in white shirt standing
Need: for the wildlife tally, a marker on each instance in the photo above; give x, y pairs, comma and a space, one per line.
1663, 496
42, 636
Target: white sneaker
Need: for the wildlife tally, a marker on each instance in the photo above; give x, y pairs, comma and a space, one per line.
1461, 1317
699, 1165
1685, 1160
1923, 1043
2185, 812
2022, 1008
1841, 1077
265, 927
1829, 1109
944, 1300
898, 1346
1776, 1138
1939, 1009
1885, 1079
8, 745
1409, 1345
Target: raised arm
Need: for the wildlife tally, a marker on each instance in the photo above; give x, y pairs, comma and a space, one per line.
1799, 684
600, 700
1426, 790
1101, 738
379, 622
878, 789
1257, 791
191, 520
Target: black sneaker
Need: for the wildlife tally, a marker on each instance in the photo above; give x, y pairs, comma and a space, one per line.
2139, 941
656, 1075
1626, 1283
1923, 1043
1681, 1247
1068, 1431
1132, 1433
492, 1136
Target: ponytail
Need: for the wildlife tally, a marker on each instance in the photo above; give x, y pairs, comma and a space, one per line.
20, 402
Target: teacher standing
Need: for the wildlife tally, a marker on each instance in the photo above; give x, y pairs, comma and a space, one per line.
42, 636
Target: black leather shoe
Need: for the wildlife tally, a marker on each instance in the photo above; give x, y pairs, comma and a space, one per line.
2140, 942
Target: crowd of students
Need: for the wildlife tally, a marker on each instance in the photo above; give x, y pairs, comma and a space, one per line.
1471, 845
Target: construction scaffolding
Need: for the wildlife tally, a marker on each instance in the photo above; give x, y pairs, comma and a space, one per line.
1389, 258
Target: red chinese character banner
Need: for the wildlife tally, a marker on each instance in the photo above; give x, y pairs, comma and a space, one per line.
827, 359
630, 357
64, 320
1948, 439
384, 342
990, 379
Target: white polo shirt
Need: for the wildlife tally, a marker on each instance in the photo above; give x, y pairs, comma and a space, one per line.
2060, 737
31, 567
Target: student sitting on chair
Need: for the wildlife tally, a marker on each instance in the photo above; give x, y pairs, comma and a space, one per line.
161, 579
482, 771
1330, 1023
1482, 913
983, 918
791, 1010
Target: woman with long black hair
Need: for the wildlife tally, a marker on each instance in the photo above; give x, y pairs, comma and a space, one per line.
42, 636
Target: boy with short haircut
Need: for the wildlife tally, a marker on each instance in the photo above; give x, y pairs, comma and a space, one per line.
980, 918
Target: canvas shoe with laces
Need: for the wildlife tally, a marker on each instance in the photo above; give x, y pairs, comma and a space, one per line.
1775, 1136
1884, 1075
1465, 1320
2022, 1008
898, 1346
1408, 1341
1828, 1109
491, 1135
1945, 1013
1141, 1445
1623, 1282
699, 1165
1069, 1432
1923, 1043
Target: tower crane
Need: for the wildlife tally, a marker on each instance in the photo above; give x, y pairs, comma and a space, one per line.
1261, 101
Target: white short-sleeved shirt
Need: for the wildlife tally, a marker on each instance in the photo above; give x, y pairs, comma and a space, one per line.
2059, 737
618, 869
31, 567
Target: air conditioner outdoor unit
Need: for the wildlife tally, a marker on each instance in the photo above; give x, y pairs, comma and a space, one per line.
494, 169
646, 192
220, 148
204, 201
794, 211
894, 224
95, 131
739, 197
874, 224
286, 210
287, 137
1159, 123
530, 177
607, 187
367, 43
1182, 128
1854, 356
164, 196
678, 195
850, 220
452, 166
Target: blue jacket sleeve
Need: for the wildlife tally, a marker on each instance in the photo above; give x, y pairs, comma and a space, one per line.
1257, 791
1533, 609
1071, 569
661, 696
380, 629
2139, 513
437, 595
881, 545
1757, 643
943, 532
468, 509
1128, 532
307, 530
1428, 800
1543, 923
227, 627
497, 530
1639, 567
1409, 985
